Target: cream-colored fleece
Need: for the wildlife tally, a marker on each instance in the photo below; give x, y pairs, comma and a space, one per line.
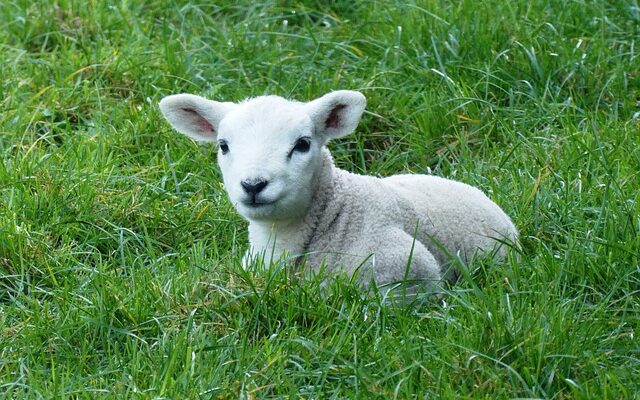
368, 224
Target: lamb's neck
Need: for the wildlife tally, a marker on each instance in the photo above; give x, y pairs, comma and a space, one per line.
291, 237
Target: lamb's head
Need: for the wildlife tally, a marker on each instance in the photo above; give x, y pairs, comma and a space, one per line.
269, 148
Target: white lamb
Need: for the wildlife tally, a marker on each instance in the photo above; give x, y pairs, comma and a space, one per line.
280, 176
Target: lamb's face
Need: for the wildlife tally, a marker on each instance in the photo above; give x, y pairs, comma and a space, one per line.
269, 148
269, 155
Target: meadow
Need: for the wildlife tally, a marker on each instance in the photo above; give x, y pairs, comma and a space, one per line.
120, 253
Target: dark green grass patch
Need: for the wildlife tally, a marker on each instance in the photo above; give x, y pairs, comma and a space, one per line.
120, 255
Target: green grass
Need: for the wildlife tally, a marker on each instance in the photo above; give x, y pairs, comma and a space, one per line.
120, 255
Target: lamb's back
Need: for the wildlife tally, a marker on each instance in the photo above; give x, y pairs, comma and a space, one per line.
459, 217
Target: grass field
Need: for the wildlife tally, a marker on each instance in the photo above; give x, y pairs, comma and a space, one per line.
120, 254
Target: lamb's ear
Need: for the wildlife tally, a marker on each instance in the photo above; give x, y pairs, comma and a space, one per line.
336, 114
195, 116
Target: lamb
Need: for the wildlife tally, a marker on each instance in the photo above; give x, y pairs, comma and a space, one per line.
280, 176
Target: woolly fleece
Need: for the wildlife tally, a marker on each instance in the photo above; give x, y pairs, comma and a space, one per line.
368, 224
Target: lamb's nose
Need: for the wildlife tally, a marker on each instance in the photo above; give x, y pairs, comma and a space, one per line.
254, 186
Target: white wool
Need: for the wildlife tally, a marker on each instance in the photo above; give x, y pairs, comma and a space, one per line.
280, 176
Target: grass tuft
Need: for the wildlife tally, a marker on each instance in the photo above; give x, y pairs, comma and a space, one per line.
120, 255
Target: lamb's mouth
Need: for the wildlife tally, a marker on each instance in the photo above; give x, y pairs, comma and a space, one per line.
253, 203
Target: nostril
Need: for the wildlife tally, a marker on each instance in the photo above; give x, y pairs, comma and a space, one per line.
254, 187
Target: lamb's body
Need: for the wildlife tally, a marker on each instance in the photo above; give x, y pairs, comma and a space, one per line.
281, 178
369, 224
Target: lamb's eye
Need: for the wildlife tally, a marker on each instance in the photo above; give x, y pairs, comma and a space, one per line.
224, 147
302, 145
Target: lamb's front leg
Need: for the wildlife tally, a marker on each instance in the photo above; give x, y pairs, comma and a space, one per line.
255, 256
261, 245
247, 260
271, 242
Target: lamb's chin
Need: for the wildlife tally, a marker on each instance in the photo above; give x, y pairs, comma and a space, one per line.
260, 211
282, 209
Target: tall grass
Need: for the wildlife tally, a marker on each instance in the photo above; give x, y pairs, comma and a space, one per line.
120, 255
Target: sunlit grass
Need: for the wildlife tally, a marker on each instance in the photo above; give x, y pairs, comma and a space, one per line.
120, 255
